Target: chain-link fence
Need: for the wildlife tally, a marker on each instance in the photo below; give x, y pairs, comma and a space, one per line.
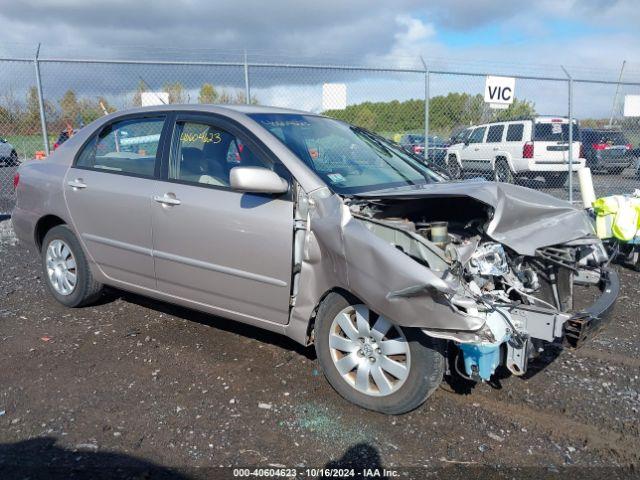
439, 114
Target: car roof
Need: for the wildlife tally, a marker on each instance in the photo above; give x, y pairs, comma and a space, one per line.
213, 108
602, 130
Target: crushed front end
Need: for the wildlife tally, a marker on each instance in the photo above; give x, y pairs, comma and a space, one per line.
525, 293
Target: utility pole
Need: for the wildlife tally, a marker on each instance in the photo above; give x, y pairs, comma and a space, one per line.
615, 97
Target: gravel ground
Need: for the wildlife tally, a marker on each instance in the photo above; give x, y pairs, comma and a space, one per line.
134, 385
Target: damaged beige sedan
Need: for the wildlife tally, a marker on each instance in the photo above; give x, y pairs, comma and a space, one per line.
321, 231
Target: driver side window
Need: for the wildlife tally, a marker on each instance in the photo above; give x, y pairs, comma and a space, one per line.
204, 154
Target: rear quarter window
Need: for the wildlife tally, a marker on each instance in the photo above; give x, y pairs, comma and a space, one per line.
515, 132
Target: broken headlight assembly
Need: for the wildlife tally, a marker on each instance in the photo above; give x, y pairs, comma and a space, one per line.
488, 259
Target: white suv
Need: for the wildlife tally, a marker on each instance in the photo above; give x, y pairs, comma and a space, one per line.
537, 146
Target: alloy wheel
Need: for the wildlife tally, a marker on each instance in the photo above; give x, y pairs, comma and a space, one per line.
370, 353
61, 267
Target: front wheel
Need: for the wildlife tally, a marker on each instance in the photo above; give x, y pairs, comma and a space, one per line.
373, 363
454, 169
66, 269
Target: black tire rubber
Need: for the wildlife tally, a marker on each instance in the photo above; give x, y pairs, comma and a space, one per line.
87, 290
454, 169
13, 159
501, 163
425, 374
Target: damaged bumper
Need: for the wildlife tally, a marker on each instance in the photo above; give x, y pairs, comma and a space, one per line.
582, 326
514, 349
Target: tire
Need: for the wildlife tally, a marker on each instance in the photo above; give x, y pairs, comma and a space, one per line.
424, 359
502, 171
13, 159
70, 260
454, 169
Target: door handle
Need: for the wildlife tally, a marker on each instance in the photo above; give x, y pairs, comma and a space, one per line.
77, 184
495, 149
167, 199
476, 149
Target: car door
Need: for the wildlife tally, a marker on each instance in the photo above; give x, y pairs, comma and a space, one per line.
493, 145
108, 192
472, 154
223, 249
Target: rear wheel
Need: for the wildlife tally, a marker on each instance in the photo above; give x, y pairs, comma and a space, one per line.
66, 270
502, 171
13, 159
371, 362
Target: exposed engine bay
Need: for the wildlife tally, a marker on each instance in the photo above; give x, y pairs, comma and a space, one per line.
525, 299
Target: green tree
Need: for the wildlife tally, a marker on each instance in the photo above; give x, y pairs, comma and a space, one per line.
208, 94
365, 118
69, 105
518, 109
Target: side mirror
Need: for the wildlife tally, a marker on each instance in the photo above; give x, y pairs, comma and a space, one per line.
257, 180
466, 142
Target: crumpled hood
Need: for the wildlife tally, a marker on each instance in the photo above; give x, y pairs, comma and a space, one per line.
523, 219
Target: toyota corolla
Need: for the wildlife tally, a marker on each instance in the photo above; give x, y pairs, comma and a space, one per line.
321, 231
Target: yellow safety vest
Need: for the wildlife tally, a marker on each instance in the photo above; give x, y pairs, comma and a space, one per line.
617, 216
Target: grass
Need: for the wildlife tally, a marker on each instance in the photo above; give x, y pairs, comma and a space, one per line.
28, 145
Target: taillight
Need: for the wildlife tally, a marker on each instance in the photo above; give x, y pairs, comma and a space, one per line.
527, 150
56, 145
629, 146
599, 146
16, 180
581, 151
416, 149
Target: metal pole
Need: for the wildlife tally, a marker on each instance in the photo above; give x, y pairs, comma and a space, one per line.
615, 97
570, 108
247, 91
43, 119
426, 108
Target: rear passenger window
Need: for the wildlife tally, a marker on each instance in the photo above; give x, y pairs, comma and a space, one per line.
514, 132
495, 133
205, 154
129, 146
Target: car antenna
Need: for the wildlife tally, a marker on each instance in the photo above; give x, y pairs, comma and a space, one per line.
152, 90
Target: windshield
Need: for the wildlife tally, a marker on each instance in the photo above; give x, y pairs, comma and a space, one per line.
555, 132
349, 159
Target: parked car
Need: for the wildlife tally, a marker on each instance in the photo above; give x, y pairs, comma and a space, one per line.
606, 149
8, 154
318, 230
437, 147
413, 142
531, 147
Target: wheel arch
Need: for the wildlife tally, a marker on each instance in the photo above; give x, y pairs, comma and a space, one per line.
503, 156
43, 225
312, 319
